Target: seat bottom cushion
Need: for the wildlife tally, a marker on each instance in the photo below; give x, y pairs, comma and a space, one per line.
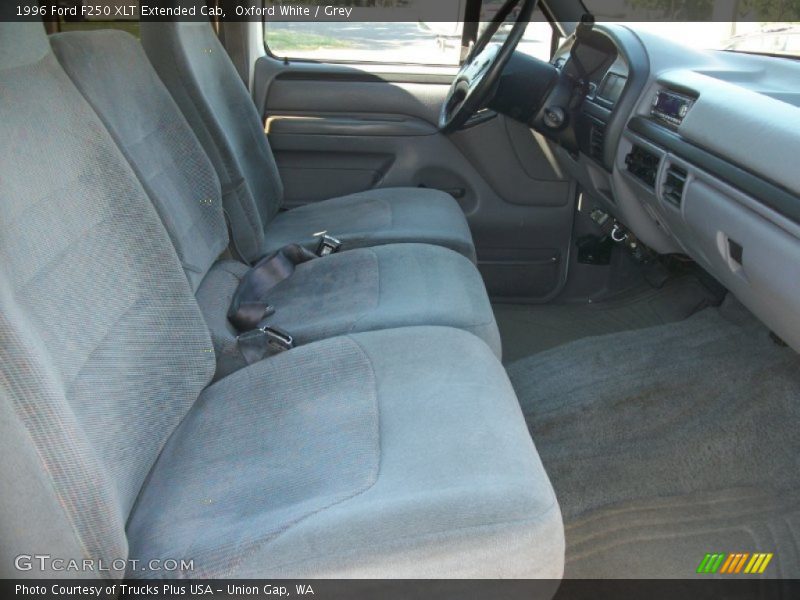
398, 453
377, 217
365, 289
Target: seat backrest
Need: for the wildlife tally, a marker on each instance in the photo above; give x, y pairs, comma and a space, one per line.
103, 348
112, 72
204, 82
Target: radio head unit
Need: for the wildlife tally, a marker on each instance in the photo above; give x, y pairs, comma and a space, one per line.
671, 107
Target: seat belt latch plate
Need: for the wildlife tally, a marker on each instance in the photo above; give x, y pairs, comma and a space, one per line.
327, 244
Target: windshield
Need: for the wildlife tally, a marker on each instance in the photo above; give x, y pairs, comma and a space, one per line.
758, 26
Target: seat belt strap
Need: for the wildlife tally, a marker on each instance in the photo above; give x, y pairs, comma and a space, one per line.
249, 306
232, 245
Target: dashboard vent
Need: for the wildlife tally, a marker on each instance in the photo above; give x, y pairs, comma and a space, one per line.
597, 140
674, 183
643, 165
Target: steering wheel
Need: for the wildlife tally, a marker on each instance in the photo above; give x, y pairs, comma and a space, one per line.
475, 82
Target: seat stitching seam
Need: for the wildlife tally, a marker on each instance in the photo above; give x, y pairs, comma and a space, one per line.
207, 121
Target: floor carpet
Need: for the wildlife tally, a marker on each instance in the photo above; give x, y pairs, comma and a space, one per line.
669, 442
528, 329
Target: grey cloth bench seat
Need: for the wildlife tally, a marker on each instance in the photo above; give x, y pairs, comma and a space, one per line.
399, 452
363, 289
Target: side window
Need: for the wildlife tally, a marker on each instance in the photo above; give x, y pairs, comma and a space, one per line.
538, 38
414, 43
410, 42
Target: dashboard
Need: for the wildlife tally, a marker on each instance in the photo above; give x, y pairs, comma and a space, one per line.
695, 152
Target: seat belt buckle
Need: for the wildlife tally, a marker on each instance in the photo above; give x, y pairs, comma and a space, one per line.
278, 339
264, 341
327, 244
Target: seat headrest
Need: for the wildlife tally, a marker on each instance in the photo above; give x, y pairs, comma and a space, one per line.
22, 43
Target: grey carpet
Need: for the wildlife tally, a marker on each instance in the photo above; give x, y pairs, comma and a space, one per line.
669, 442
528, 329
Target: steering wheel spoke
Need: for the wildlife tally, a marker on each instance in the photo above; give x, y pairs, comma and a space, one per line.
474, 83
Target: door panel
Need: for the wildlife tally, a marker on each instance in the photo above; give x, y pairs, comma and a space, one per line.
316, 164
337, 130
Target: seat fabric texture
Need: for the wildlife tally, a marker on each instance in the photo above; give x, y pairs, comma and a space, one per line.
359, 290
103, 347
374, 218
397, 453
204, 82
112, 72
394, 453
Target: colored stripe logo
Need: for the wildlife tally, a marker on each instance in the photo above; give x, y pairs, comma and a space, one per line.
735, 564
